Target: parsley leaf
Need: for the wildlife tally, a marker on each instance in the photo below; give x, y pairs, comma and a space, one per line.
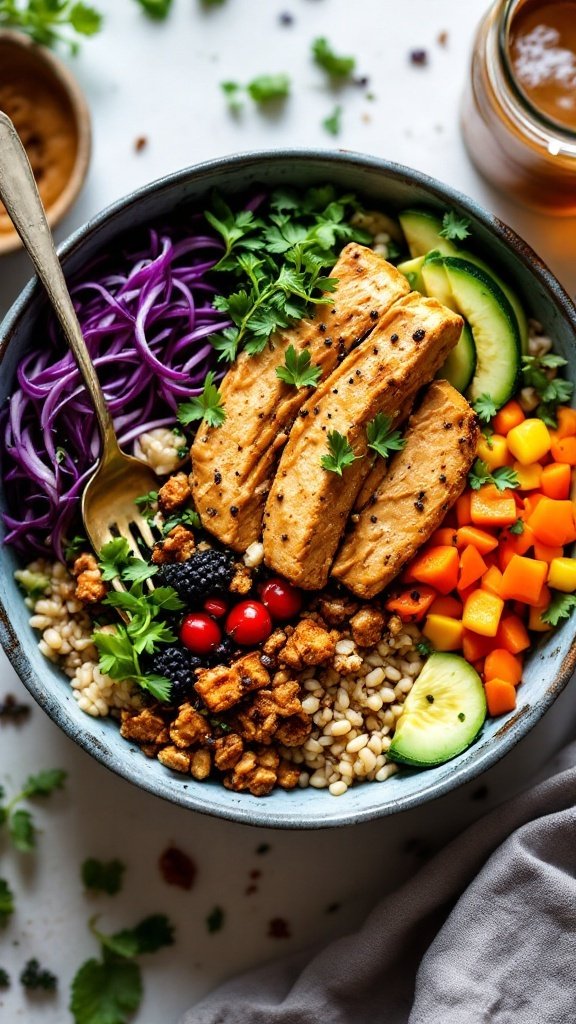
502, 478
208, 405
381, 438
43, 20
485, 408
157, 9
333, 123
424, 647
215, 920
105, 992
44, 783
114, 557
560, 607
22, 831
148, 504
454, 228
325, 58
6, 903
341, 454
552, 391
298, 369
517, 528
267, 88
188, 518
103, 876
148, 936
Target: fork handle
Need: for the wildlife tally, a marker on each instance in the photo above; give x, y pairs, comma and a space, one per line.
22, 200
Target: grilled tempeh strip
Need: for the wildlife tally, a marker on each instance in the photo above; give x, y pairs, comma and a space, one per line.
232, 465
423, 482
308, 506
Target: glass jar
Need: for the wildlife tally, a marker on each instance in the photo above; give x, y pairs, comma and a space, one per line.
513, 143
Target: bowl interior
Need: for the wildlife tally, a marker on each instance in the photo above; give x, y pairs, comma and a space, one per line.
550, 666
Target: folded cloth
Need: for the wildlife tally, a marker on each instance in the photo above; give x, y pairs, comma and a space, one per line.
485, 933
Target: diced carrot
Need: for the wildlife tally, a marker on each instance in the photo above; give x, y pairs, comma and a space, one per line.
500, 664
444, 633
566, 419
491, 507
475, 647
509, 416
528, 476
555, 482
482, 612
480, 539
553, 522
531, 502
494, 452
500, 697
535, 621
463, 509
479, 666
446, 606
514, 544
564, 450
512, 634
523, 579
545, 553
437, 566
445, 535
472, 567
492, 581
411, 605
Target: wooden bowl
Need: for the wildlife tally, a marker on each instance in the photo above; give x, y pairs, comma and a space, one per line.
50, 113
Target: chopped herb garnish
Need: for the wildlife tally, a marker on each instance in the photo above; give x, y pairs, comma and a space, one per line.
157, 9
6, 903
148, 504
560, 607
207, 406
461, 716
19, 822
267, 88
502, 478
381, 438
333, 123
35, 977
43, 20
103, 876
517, 528
454, 228
552, 391
215, 920
298, 369
325, 58
188, 517
424, 647
74, 546
485, 408
341, 454
109, 990
4, 978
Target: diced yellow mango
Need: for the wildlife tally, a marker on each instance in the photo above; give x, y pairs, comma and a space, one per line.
529, 441
535, 621
562, 574
444, 633
529, 477
493, 451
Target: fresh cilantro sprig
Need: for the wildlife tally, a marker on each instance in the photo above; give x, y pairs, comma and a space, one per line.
280, 260
552, 391
381, 438
19, 821
341, 454
503, 478
263, 89
148, 505
485, 408
44, 20
454, 228
6, 903
156, 9
109, 989
561, 607
189, 517
325, 57
120, 651
298, 369
207, 405
103, 876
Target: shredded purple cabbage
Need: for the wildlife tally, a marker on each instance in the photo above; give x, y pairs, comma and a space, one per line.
148, 329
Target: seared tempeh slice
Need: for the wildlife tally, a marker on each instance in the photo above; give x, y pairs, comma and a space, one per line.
232, 466
423, 482
308, 506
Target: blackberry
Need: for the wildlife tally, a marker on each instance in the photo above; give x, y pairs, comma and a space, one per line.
206, 573
177, 664
222, 653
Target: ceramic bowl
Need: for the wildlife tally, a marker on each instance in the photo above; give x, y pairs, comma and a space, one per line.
549, 666
59, 141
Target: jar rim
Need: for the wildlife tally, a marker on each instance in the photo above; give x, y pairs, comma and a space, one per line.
507, 15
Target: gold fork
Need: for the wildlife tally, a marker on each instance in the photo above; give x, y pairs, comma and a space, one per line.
108, 501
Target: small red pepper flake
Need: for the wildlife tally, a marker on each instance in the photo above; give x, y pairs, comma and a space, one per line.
177, 868
140, 143
255, 874
251, 889
278, 928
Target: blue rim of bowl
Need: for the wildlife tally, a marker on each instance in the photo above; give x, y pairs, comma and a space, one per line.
515, 728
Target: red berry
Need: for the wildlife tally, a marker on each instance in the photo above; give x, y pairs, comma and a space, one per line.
282, 600
215, 606
249, 623
199, 633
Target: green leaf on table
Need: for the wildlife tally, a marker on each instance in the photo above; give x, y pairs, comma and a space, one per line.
269, 88
6, 903
157, 9
44, 783
333, 123
103, 876
325, 57
22, 831
106, 992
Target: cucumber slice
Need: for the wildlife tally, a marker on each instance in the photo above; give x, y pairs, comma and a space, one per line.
494, 328
460, 365
412, 270
442, 714
422, 232
436, 282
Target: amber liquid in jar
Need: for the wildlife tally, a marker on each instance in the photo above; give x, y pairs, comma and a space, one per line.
519, 111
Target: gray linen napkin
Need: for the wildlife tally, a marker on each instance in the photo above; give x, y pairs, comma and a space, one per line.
485, 933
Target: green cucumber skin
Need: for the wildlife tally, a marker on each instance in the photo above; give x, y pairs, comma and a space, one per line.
460, 366
408, 762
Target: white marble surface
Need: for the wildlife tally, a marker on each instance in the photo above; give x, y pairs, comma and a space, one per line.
161, 81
